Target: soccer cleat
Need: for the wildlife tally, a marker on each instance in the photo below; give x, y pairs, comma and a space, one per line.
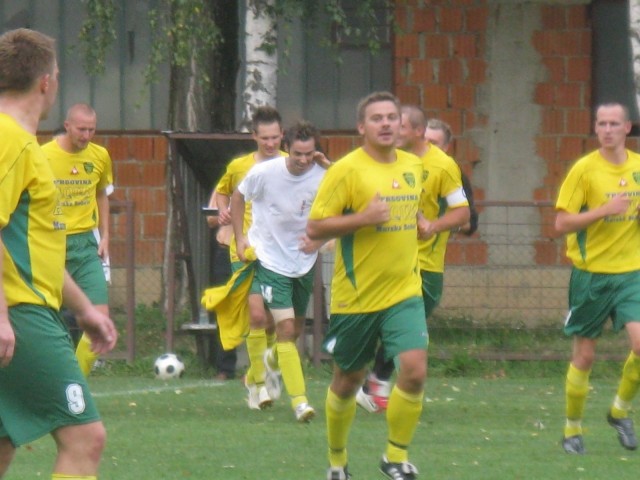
338, 473
573, 445
379, 390
252, 398
273, 377
304, 413
398, 471
264, 400
366, 401
626, 433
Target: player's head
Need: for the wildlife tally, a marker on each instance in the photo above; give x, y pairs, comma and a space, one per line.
379, 119
612, 125
302, 140
266, 125
412, 126
438, 133
80, 126
28, 64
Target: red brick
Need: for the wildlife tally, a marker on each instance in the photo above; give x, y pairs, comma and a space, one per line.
437, 46
579, 69
424, 19
408, 94
547, 148
553, 121
450, 71
436, 96
544, 94
452, 117
466, 150
476, 253
127, 174
154, 226
464, 45
578, 122
578, 16
541, 194
118, 148
571, 148
153, 174
149, 200
160, 148
402, 14
463, 96
421, 72
339, 146
546, 252
149, 252
476, 19
454, 254
407, 45
568, 96
451, 19
142, 148
553, 17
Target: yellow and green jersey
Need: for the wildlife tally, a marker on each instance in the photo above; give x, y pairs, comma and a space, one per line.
79, 176
442, 186
611, 244
376, 266
31, 223
233, 175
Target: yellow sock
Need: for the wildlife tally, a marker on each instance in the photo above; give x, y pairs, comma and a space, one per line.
256, 346
403, 413
84, 354
289, 363
340, 414
271, 339
576, 390
628, 387
58, 476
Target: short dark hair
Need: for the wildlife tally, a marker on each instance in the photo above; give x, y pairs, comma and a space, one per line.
302, 131
437, 124
25, 55
625, 109
265, 115
417, 116
374, 98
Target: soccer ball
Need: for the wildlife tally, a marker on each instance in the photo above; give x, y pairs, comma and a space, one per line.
168, 366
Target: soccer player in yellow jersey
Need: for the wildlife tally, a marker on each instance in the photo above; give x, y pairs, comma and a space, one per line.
444, 205
84, 179
597, 208
369, 200
267, 133
42, 390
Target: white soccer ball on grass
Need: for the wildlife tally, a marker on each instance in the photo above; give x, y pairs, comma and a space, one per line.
168, 366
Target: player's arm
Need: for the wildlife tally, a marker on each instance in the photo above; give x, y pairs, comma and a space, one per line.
7, 336
213, 220
93, 322
377, 212
102, 199
569, 222
237, 221
453, 218
224, 202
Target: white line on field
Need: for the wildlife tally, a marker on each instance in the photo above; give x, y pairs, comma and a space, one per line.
165, 388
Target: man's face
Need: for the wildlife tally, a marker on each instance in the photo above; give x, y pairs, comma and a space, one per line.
80, 127
268, 137
436, 137
301, 156
381, 124
611, 126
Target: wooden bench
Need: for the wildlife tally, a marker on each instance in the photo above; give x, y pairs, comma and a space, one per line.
204, 334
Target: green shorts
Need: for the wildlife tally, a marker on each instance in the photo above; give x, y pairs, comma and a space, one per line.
432, 286
85, 267
280, 291
352, 338
594, 297
42, 389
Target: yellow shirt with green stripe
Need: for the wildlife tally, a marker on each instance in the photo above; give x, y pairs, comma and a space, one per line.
233, 175
377, 266
442, 185
31, 223
611, 244
79, 176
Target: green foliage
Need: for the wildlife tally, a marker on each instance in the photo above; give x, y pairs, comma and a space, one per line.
97, 34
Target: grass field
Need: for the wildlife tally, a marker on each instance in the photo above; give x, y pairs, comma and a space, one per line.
493, 423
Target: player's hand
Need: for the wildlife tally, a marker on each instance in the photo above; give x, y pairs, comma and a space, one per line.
321, 159
224, 217
309, 246
425, 228
377, 212
103, 248
242, 244
7, 339
100, 329
618, 204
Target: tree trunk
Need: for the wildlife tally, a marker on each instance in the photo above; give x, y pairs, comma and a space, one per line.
261, 55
